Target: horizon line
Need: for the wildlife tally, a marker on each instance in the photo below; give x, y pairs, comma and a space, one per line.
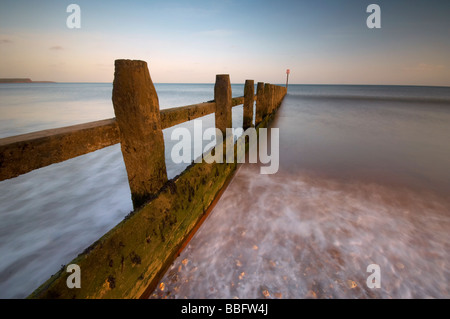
212, 83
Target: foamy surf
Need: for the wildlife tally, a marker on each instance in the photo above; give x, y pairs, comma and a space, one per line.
302, 236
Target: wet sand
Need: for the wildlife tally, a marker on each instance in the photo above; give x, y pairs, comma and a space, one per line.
314, 238
350, 192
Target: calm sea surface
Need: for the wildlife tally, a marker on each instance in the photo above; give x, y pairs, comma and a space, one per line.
364, 178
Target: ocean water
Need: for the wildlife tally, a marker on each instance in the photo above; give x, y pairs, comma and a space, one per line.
363, 179
26, 108
50, 215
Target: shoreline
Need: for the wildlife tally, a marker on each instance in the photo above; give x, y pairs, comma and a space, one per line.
21, 80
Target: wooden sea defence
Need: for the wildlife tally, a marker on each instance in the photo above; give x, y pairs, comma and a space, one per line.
128, 261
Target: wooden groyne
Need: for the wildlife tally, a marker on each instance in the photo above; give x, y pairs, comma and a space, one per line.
128, 260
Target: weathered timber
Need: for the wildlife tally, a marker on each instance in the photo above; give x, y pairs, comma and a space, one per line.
131, 257
123, 263
260, 108
23, 153
249, 93
222, 97
136, 106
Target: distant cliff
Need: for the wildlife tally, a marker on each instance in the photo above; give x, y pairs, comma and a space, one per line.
24, 80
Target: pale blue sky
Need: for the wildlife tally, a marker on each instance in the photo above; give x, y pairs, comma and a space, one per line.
321, 41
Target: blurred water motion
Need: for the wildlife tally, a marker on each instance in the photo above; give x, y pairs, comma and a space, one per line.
364, 179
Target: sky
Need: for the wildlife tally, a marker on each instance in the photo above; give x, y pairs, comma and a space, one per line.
320, 41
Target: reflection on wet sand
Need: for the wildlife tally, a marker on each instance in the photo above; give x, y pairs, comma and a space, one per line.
362, 181
305, 237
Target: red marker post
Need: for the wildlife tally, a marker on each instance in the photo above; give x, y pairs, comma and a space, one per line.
287, 77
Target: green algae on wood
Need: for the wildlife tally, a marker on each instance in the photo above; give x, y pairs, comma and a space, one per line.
123, 262
127, 260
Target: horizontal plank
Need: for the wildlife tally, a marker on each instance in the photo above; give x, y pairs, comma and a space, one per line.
237, 101
177, 115
23, 153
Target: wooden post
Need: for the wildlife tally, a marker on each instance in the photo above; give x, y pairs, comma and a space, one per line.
279, 94
287, 77
136, 107
268, 98
222, 97
259, 103
272, 99
249, 94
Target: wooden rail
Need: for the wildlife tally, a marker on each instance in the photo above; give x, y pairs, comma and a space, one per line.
138, 127
128, 260
23, 153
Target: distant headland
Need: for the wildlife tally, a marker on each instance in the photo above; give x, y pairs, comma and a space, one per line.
22, 80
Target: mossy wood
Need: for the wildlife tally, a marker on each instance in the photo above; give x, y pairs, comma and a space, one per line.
132, 256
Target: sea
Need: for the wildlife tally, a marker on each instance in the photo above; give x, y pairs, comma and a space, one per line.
364, 179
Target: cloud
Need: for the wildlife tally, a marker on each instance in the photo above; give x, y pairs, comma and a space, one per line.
56, 48
5, 41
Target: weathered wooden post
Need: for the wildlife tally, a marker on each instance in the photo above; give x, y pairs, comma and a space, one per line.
278, 96
273, 97
136, 107
268, 98
259, 103
287, 77
249, 94
222, 97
